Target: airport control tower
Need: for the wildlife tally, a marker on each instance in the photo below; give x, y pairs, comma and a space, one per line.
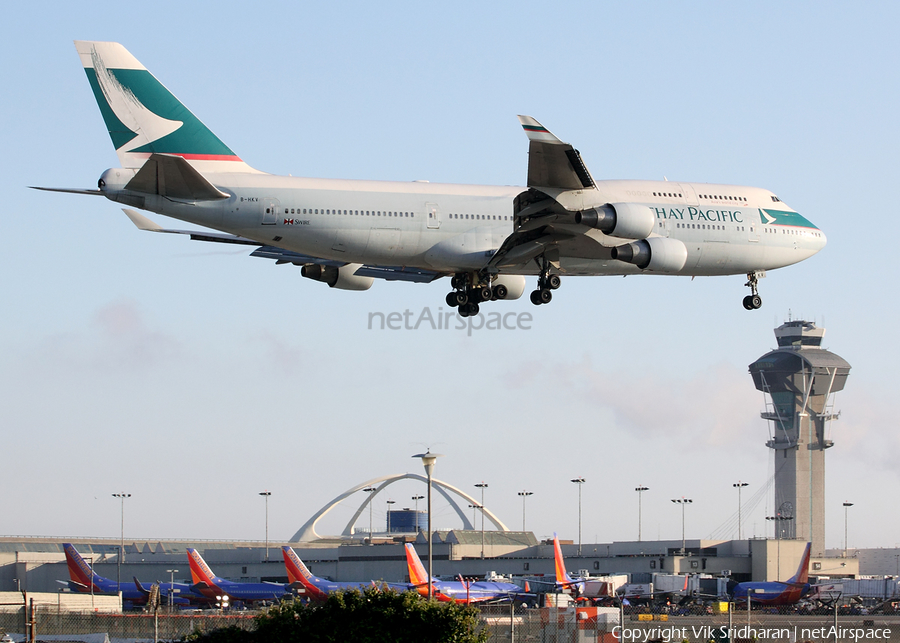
799, 379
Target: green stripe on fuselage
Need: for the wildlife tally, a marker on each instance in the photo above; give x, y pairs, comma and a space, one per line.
781, 217
193, 137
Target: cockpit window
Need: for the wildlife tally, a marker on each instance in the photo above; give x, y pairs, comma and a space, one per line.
776, 199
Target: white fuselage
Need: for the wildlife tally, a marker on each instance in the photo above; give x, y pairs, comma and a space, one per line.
454, 228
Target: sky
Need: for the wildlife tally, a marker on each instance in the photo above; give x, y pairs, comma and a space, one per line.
194, 376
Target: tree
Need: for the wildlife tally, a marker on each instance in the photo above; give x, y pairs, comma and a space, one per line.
370, 616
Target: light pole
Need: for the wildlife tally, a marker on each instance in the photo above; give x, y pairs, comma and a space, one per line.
847, 505
579, 482
389, 503
266, 495
779, 519
641, 489
171, 573
121, 497
482, 485
417, 498
428, 460
739, 485
524, 495
370, 490
683, 502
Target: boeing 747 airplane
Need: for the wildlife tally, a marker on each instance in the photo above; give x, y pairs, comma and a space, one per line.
487, 239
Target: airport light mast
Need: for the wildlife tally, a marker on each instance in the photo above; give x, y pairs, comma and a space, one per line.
579, 482
428, 460
683, 502
524, 495
739, 485
640, 489
266, 494
121, 497
482, 485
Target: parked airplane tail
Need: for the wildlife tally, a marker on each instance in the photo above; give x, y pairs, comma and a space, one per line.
201, 574
80, 573
143, 117
299, 575
417, 574
562, 576
802, 575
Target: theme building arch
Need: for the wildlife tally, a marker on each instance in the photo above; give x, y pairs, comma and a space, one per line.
307, 532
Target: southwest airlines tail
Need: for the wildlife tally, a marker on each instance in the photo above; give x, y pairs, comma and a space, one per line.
802, 575
299, 574
418, 577
143, 117
80, 574
201, 574
562, 576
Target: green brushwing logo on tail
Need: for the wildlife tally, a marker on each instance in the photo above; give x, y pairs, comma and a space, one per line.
143, 117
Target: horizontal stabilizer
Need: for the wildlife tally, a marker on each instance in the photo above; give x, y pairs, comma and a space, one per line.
93, 192
172, 177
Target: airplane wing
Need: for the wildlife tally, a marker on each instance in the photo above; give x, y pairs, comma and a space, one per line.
552, 163
282, 256
545, 225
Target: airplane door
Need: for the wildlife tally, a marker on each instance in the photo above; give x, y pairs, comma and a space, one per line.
433, 215
689, 195
270, 208
753, 225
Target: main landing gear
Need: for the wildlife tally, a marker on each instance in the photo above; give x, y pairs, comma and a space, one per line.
752, 301
546, 284
469, 290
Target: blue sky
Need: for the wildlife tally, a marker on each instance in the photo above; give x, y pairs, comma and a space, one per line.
194, 377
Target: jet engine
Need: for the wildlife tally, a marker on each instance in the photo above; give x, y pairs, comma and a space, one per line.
623, 220
659, 254
335, 277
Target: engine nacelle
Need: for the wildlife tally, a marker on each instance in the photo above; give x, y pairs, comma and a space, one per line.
335, 277
659, 254
515, 285
623, 220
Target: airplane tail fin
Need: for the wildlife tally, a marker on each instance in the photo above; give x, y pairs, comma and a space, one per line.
80, 572
299, 574
417, 574
201, 574
562, 576
802, 575
296, 570
143, 117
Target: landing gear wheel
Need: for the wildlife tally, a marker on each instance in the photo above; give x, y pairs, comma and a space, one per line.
500, 291
471, 309
536, 297
554, 282
482, 294
755, 302
461, 297
451, 299
458, 281
545, 295
748, 304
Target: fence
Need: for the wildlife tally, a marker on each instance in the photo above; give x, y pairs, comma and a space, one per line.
518, 625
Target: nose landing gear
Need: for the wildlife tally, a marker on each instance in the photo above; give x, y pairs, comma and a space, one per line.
753, 301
